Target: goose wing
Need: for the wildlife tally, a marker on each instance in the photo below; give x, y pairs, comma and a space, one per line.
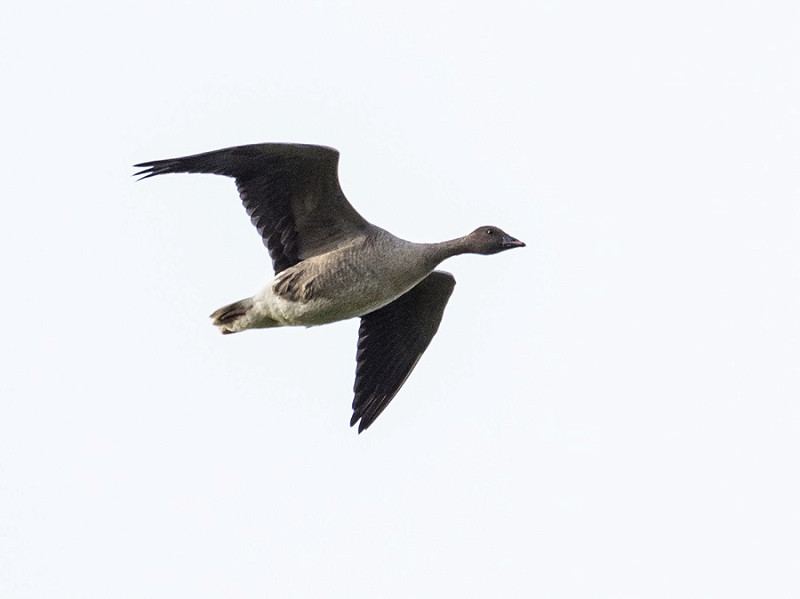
290, 191
391, 341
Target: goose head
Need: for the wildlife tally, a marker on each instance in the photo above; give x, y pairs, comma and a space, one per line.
489, 240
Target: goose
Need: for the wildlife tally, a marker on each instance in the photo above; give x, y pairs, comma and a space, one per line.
331, 264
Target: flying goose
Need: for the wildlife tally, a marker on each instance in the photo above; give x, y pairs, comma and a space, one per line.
331, 264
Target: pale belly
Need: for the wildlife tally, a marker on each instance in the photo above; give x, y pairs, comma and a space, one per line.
336, 297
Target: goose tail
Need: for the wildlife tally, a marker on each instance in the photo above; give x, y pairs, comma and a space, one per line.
233, 317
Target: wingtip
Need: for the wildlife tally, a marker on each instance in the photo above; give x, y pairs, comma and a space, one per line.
353, 420
154, 167
147, 170
362, 423
145, 174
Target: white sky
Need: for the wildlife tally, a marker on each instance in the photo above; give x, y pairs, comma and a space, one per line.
610, 412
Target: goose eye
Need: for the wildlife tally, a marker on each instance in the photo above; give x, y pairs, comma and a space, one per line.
490, 231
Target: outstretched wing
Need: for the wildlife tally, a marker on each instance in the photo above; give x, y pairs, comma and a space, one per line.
391, 341
290, 191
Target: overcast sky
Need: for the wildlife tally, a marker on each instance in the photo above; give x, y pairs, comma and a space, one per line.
609, 412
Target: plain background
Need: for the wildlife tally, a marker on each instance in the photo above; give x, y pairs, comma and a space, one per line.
610, 412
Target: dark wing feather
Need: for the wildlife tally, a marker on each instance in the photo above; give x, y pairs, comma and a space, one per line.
290, 191
391, 341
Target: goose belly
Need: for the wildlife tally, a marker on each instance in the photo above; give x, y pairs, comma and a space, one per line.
347, 297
